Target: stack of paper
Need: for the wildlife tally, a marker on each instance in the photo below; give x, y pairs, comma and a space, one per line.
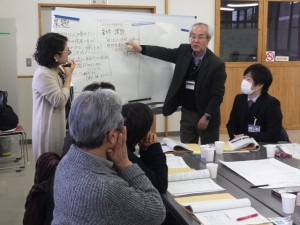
221, 209
183, 180
227, 212
170, 145
268, 172
244, 143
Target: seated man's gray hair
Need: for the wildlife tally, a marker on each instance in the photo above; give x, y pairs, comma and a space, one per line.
93, 115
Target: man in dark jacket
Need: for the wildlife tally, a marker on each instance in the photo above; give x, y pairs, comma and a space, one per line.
197, 84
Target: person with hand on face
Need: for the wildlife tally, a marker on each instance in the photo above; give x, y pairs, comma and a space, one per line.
152, 160
255, 113
90, 87
51, 90
197, 84
95, 182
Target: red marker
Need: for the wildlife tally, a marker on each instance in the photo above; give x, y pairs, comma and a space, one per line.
247, 217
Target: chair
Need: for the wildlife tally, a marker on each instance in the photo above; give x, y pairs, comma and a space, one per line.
17, 159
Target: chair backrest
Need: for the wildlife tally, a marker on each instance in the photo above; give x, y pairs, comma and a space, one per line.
284, 135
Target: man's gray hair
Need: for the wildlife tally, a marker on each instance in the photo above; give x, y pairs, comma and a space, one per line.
93, 115
210, 31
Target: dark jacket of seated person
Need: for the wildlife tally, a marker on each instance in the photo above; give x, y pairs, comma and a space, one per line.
39, 202
262, 119
267, 113
95, 182
152, 160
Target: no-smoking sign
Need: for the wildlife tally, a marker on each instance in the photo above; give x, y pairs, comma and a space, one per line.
270, 56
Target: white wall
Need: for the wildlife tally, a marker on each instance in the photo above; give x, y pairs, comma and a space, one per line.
26, 15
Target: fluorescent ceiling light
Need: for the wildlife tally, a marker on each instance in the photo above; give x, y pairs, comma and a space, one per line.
242, 5
226, 9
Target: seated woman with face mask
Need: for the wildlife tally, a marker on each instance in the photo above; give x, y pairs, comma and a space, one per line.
255, 113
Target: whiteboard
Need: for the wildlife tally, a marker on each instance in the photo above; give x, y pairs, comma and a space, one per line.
97, 40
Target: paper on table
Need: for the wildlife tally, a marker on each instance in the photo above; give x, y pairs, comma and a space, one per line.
229, 217
190, 175
266, 171
170, 155
244, 143
176, 145
199, 198
185, 187
292, 148
227, 149
179, 170
226, 212
214, 205
194, 185
195, 147
176, 162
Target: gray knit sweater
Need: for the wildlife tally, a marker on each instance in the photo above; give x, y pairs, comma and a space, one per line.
88, 191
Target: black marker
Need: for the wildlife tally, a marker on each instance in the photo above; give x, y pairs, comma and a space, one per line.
67, 65
263, 185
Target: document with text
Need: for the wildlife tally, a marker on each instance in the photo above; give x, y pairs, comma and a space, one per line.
196, 181
268, 172
227, 212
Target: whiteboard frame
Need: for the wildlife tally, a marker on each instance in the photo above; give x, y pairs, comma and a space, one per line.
44, 18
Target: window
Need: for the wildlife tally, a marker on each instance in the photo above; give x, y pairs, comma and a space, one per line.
238, 31
283, 30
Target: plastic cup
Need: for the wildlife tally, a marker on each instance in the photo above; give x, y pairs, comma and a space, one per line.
298, 199
203, 151
219, 146
271, 149
288, 203
210, 153
213, 169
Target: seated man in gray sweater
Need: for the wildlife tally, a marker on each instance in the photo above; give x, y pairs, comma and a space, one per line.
95, 183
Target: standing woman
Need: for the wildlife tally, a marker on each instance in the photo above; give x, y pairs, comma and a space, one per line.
51, 91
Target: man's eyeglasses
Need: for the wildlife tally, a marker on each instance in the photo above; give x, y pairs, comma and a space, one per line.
68, 51
193, 37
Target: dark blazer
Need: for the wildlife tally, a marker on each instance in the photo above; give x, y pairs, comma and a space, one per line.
39, 204
266, 110
209, 87
153, 162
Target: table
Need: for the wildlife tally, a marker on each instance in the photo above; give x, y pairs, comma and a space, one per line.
264, 196
186, 219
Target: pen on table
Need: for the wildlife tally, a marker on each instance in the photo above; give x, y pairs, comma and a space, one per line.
247, 217
257, 186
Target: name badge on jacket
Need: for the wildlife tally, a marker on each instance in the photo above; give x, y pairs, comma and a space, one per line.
253, 128
190, 85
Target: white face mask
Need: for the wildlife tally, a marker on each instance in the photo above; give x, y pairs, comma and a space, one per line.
246, 87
